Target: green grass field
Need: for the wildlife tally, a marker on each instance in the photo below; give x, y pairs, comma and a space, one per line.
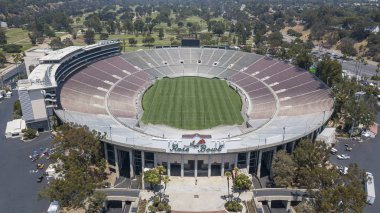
18, 36
191, 103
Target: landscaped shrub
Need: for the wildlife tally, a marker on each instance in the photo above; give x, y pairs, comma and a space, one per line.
12, 48
233, 206
159, 206
142, 206
29, 133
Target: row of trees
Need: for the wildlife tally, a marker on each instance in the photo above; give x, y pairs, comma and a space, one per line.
3, 41
240, 183
350, 108
158, 182
308, 168
79, 160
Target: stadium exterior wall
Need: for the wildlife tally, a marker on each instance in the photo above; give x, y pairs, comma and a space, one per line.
131, 160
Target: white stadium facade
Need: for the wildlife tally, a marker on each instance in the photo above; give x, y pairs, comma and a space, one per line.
101, 88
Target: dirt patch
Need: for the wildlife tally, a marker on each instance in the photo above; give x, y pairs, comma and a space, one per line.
300, 29
361, 47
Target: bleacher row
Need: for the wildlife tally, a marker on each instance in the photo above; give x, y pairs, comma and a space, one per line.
124, 77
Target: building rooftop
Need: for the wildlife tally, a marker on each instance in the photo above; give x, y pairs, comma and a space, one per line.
39, 78
60, 54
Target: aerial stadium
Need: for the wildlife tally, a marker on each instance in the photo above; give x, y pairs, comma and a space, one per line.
198, 111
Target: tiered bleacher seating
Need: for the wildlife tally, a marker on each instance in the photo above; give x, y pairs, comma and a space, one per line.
272, 85
196, 55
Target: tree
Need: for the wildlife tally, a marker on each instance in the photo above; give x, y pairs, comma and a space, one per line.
33, 38
3, 59
346, 194
152, 177
3, 37
67, 42
96, 202
148, 41
284, 169
260, 28
12, 48
79, 158
228, 176
49, 32
275, 39
56, 44
18, 58
103, 36
128, 26
155, 177
311, 155
92, 21
242, 183
347, 47
329, 71
139, 25
180, 24
218, 28
304, 60
165, 180
161, 34
89, 37
304, 207
110, 27
132, 42
17, 112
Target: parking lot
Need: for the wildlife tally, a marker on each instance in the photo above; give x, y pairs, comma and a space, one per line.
367, 156
18, 186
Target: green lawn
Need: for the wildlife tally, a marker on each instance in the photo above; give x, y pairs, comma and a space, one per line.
18, 36
191, 103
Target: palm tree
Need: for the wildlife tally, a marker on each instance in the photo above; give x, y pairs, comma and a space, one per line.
228, 175
165, 180
17, 58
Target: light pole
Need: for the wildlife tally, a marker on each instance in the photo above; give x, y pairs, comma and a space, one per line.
283, 136
110, 132
323, 120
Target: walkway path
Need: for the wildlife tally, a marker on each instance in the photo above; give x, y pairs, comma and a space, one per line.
205, 196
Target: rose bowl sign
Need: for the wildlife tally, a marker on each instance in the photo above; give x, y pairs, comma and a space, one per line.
196, 148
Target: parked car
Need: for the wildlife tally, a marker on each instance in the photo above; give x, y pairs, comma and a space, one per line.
343, 170
343, 157
333, 151
348, 148
39, 179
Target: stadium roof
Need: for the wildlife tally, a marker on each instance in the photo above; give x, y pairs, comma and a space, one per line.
60, 54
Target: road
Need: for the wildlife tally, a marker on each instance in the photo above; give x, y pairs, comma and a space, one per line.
349, 65
18, 187
278, 192
366, 155
365, 70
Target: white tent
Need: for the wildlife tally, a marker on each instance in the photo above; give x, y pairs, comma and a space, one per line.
327, 136
14, 128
